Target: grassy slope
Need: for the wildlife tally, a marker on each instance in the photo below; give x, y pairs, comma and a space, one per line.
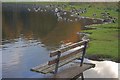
103, 40
94, 9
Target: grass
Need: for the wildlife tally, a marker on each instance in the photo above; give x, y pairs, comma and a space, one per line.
41, 2
97, 8
104, 41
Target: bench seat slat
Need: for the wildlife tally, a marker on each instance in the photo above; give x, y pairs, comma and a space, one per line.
49, 68
73, 71
41, 67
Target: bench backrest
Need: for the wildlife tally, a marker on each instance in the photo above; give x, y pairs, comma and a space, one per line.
70, 52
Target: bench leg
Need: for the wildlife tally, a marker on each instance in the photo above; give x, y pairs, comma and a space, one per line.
78, 77
57, 64
84, 51
82, 76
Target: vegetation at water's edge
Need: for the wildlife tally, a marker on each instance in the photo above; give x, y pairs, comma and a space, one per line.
104, 39
103, 42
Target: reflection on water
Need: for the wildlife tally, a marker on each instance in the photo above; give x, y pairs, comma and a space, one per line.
19, 57
39, 26
29, 36
103, 69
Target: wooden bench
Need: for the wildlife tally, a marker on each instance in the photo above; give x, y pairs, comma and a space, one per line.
64, 56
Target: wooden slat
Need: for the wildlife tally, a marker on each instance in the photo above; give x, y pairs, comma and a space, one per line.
73, 71
62, 63
40, 67
45, 68
54, 53
67, 44
66, 56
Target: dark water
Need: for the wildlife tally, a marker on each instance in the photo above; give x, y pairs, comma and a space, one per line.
29, 36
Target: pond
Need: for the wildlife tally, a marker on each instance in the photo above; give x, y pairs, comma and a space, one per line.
29, 35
